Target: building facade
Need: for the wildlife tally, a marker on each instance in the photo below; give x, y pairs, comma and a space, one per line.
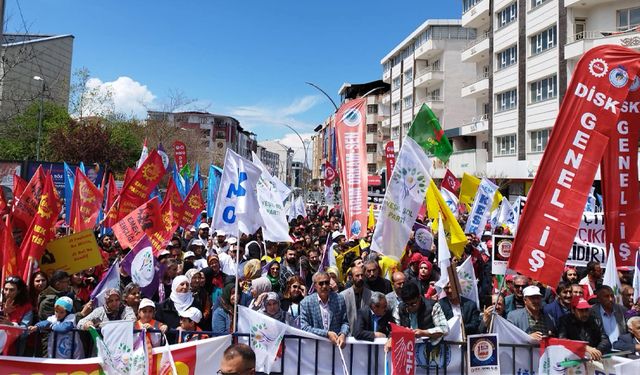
271, 160
529, 49
26, 56
285, 160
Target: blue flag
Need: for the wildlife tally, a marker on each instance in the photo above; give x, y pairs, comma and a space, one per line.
179, 181
215, 174
196, 177
69, 181
82, 168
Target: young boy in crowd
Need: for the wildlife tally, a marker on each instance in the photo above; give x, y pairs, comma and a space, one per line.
189, 319
146, 312
62, 342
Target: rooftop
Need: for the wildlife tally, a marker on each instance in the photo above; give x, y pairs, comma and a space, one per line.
416, 33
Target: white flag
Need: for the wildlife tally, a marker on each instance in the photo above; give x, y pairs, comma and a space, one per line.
512, 335
237, 201
468, 282
481, 206
282, 189
505, 211
404, 196
266, 336
444, 256
451, 200
118, 338
143, 154
611, 274
328, 195
273, 218
636, 278
301, 210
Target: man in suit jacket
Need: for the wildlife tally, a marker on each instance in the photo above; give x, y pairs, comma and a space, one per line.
324, 313
630, 341
357, 296
531, 319
466, 308
610, 313
373, 320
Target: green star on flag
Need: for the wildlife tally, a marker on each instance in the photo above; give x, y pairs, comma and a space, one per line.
426, 131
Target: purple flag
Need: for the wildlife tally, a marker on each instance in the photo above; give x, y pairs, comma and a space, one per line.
109, 281
144, 268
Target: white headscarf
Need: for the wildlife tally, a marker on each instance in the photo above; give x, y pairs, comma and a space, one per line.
181, 301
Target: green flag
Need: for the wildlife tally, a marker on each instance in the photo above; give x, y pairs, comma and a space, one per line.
426, 131
186, 171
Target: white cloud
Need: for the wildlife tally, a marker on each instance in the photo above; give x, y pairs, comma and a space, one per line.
127, 96
253, 116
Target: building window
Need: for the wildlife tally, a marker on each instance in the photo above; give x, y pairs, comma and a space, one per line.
537, 3
372, 109
507, 15
220, 134
406, 126
395, 132
543, 41
434, 95
408, 75
372, 128
395, 107
408, 101
371, 169
468, 4
539, 139
396, 83
506, 145
507, 57
506, 100
628, 18
544, 89
372, 147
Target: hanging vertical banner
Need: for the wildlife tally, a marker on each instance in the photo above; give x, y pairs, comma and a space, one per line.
329, 176
481, 207
585, 124
390, 158
180, 154
352, 153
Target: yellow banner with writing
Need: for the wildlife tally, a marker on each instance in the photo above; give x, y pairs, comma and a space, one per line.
72, 254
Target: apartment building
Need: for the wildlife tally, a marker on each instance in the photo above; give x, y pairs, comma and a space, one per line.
528, 49
426, 68
284, 159
270, 159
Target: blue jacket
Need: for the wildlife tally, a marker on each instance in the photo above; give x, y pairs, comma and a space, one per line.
220, 321
311, 317
556, 311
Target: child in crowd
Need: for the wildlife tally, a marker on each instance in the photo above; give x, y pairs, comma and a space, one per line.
63, 342
146, 312
189, 319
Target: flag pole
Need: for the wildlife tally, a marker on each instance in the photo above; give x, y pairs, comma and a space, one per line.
235, 305
493, 313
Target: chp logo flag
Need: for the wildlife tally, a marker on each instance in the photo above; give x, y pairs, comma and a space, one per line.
403, 354
583, 131
555, 351
352, 152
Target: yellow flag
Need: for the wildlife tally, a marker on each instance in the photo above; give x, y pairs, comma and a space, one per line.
340, 259
469, 189
371, 223
456, 239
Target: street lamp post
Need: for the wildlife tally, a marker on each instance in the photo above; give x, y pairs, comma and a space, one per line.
304, 148
38, 78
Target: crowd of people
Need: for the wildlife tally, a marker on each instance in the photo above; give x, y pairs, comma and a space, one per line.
207, 272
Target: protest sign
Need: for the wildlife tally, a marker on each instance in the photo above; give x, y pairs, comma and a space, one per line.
500, 254
72, 254
482, 354
589, 242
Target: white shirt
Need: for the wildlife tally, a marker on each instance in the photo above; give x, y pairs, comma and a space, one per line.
325, 312
227, 264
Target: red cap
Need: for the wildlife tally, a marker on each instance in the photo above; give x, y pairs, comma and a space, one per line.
580, 303
415, 258
509, 277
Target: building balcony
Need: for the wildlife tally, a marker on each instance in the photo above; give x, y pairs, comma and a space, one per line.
583, 4
386, 99
436, 103
475, 125
476, 50
429, 49
371, 137
386, 123
473, 161
477, 16
428, 76
386, 76
477, 89
580, 43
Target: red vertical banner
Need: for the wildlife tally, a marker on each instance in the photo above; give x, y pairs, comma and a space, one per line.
390, 157
620, 181
180, 154
403, 350
352, 159
584, 127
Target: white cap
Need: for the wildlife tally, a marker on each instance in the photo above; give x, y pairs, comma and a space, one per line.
188, 254
146, 302
232, 240
220, 232
487, 233
192, 229
191, 313
531, 291
203, 226
197, 242
164, 252
337, 234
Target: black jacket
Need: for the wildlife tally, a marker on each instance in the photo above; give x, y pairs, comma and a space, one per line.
470, 314
166, 313
364, 324
425, 320
590, 331
379, 285
626, 342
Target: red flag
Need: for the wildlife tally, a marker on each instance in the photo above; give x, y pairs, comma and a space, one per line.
587, 119
193, 205
403, 355
9, 251
3, 202
8, 334
110, 205
330, 174
352, 157
85, 203
450, 182
26, 204
42, 228
170, 223
19, 184
128, 175
141, 184
173, 195
143, 219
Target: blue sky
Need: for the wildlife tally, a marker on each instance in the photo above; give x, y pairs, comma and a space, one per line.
248, 59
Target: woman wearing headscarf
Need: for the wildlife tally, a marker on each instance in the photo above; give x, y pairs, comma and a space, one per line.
215, 280
273, 274
179, 300
259, 289
252, 270
222, 317
113, 309
196, 280
424, 275
131, 297
271, 307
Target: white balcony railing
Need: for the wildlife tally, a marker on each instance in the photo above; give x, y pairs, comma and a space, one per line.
431, 69
476, 41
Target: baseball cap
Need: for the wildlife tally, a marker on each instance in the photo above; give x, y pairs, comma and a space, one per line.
188, 254
232, 240
191, 313
146, 302
580, 303
531, 291
337, 234
220, 232
164, 252
192, 229
203, 226
197, 242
